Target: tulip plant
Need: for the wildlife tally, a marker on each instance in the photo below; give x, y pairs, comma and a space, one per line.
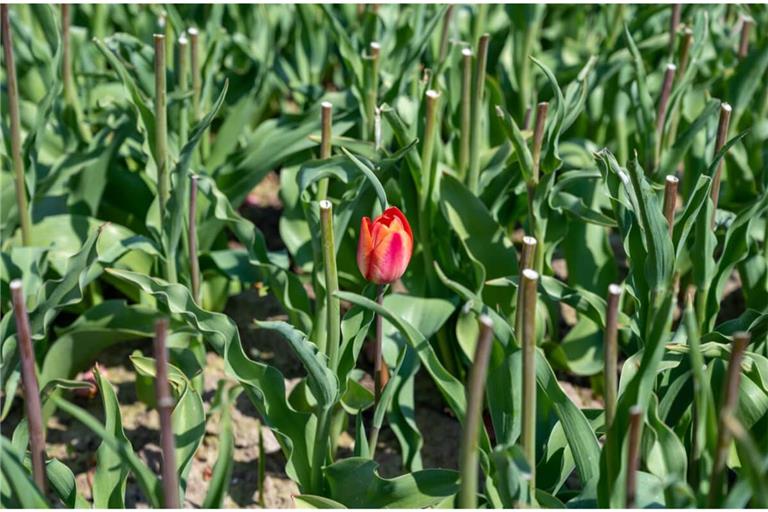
514, 206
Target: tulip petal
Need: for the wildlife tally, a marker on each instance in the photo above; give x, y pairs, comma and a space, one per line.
364, 247
390, 258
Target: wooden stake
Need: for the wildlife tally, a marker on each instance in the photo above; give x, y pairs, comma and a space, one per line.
670, 200
611, 352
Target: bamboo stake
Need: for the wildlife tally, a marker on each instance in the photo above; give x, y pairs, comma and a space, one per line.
31, 387
611, 352
197, 81
182, 70
165, 403
161, 124
468, 450
744, 39
529, 282
527, 256
15, 128
729, 402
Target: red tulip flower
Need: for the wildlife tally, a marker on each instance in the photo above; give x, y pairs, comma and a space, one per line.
385, 246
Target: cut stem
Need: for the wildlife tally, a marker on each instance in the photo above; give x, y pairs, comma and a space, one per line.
161, 125
182, 71
372, 88
66, 55
477, 111
333, 307
611, 353
15, 128
674, 22
527, 256
194, 263
445, 33
633, 456
538, 138
165, 404
661, 113
528, 285
744, 38
326, 124
31, 387
468, 454
722, 135
730, 400
197, 80
699, 390
466, 111
670, 200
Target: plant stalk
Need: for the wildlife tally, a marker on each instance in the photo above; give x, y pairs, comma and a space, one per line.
182, 70
674, 22
161, 124
468, 450
15, 128
194, 263
320, 450
744, 38
538, 141
326, 132
670, 200
372, 88
722, 136
476, 116
466, 111
611, 353
445, 33
31, 387
528, 285
379, 377
661, 113
197, 80
699, 391
633, 456
527, 256
728, 406
333, 307
165, 404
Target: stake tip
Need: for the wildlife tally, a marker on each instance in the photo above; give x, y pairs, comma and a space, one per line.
467, 52
486, 321
15, 285
183, 39
529, 240
530, 274
326, 105
671, 179
433, 94
192, 31
159, 37
635, 411
726, 107
671, 66
614, 289
325, 204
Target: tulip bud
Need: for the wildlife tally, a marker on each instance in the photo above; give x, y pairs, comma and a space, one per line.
385, 246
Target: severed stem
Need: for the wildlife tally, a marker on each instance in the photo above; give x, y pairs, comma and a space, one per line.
674, 22
538, 138
728, 406
722, 134
528, 285
183, 76
670, 200
165, 405
527, 256
466, 110
661, 113
476, 115
468, 450
15, 128
633, 457
333, 308
611, 352
194, 263
744, 38
31, 387
197, 80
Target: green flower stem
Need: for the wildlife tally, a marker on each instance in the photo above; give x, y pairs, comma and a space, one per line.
194, 264
466, 111
730, 400
70, 92
333, 308
722, 137
12, 88
633, 456
611, 353
528, 283
476, 117
670, 200
161, 124
379, 378
31, 387
538, 140
326, 124
197, 80
165, 404
320, 450
182, 71
468, 450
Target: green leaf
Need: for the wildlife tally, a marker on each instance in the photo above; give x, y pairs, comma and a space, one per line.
355, 483
16, 479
